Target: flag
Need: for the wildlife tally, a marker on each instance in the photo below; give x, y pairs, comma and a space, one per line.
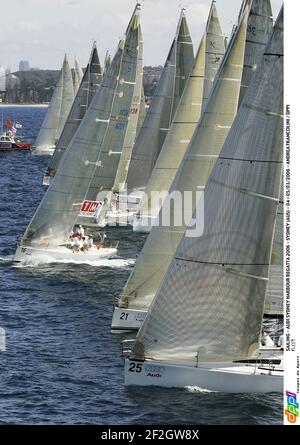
8, 122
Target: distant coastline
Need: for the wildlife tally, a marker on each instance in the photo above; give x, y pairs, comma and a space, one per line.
3, 105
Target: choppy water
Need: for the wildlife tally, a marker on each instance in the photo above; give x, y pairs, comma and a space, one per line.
62, 364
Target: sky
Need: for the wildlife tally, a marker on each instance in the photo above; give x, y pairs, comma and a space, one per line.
41, 31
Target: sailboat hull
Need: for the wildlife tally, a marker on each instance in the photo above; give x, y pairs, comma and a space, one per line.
223, 377
60, 254
127, 319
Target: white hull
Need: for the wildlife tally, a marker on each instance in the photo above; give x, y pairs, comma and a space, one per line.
45, 151
127, 319
223, 377
59, 254
143, 223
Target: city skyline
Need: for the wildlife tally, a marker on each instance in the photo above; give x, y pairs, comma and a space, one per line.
46, 35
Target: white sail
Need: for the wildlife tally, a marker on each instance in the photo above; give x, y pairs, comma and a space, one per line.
117, 130
133, 117
162, 108
193, 100
58, 210
274, 293
192, 174
85, 94
47, 134
209, 306
67, 97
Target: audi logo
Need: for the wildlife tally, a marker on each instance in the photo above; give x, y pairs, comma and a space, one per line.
152, 368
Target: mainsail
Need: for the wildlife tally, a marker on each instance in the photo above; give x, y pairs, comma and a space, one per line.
88, 87
135, 111
58, 210
47, 134
162, 108
67, 97
121, 120
193, 100
222, 275
193, 173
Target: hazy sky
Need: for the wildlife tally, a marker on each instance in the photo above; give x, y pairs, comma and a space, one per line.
41, 31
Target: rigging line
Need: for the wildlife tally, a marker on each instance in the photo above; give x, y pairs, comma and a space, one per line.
249, 160
219, 263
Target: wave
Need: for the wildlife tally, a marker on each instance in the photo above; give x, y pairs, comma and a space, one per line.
6, 259
114, 263
197, 389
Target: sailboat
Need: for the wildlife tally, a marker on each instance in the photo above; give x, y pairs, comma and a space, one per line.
195, 168
193, 100
118, 139
57, 113
212, 339
162, 109
48, 235
88, 87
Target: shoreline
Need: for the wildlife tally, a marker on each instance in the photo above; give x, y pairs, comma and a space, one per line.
23, 105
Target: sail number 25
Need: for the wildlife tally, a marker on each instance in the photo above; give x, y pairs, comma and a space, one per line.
135, 367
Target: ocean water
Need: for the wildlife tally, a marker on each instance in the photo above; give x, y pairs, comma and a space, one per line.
62, 365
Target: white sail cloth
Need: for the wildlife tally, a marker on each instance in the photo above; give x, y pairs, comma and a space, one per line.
193, 173
162, 108
58, 210
209, 306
